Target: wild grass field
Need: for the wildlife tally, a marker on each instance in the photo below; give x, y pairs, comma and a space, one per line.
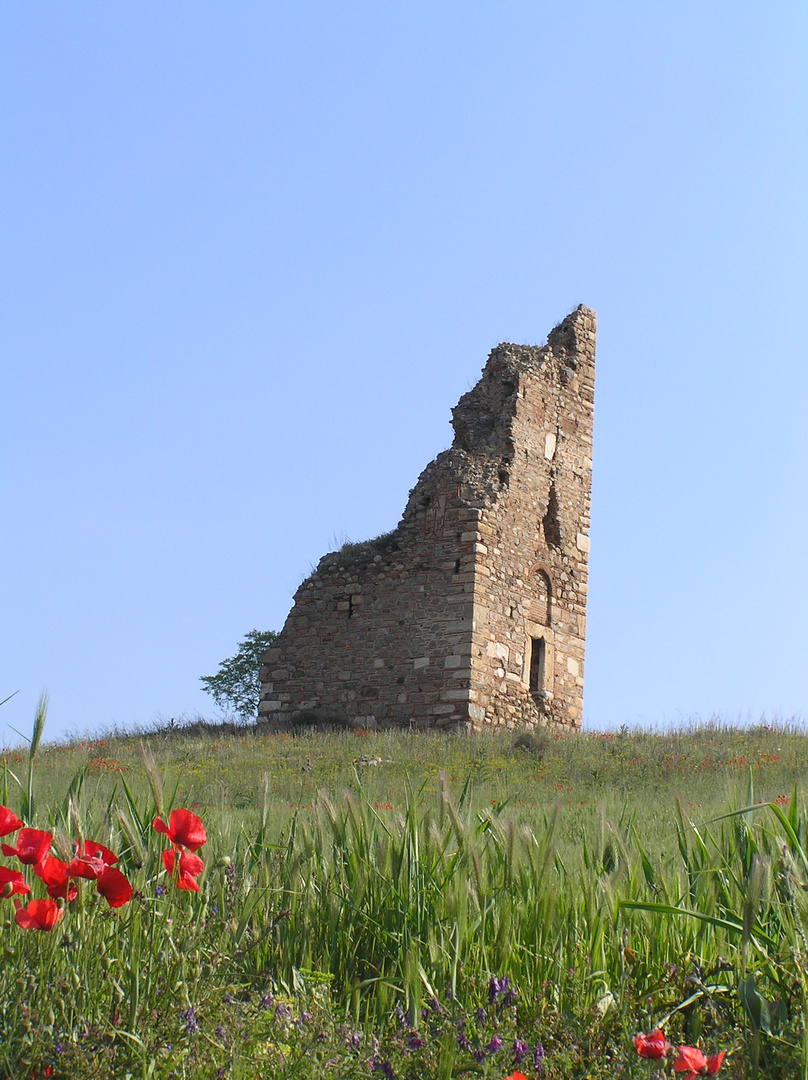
412, 906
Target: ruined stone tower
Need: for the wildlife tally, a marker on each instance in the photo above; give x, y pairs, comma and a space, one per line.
472, 611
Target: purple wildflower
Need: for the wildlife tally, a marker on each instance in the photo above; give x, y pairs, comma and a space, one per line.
494, 1044
481, 1017
501, 986
266, 1002
538, 1058
188, 1017
478, 1054
230, 877
415, 1042
519, 1049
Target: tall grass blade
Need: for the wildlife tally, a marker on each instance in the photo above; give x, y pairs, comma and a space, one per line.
27, 800
153, 776
733, 926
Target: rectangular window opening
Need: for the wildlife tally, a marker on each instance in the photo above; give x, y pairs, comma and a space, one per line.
537, 660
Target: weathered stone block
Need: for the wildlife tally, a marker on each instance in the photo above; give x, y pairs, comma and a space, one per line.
456, 695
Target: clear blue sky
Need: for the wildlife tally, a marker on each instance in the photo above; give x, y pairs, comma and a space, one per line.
252, 253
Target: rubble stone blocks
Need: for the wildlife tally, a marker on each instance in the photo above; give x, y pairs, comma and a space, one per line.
471, 613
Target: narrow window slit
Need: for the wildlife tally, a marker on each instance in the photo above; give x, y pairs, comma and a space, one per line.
537, 665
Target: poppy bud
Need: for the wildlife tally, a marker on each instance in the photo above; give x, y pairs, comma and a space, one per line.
223, 862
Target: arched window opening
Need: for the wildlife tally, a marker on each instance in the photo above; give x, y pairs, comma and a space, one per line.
550, 522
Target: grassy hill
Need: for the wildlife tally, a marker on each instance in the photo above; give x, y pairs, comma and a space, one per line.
420, 905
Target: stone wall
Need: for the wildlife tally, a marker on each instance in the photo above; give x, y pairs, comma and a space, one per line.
472, 611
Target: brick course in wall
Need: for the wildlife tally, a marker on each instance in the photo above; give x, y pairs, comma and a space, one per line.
473, 610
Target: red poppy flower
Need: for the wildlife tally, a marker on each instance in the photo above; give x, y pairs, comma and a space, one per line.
516, 1076
188, 869
11, 882
653, 1045
55, 874
114, 887
32, 847
92, 863
37, 914
693, 1062
9, 822
184, 829
98, 851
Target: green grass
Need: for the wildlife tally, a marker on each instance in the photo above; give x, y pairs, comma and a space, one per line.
705, 766
367, 888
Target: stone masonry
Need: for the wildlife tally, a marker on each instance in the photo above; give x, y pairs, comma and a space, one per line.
472, 611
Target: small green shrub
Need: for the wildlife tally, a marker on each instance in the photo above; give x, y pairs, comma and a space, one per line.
534, 743
351, 552
236, 685
321, 719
